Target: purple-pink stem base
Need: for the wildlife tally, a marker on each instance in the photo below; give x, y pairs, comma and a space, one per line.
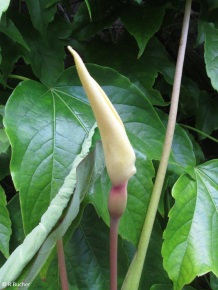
114, 224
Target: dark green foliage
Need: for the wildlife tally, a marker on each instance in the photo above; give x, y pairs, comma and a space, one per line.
45, 118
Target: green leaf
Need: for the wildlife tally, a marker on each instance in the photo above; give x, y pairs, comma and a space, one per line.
4, 6
8, 27
14, 209
42, 13
4, 142
4, 148
5, 162
38, 121
182, 154
89, 9
168, 287
11, 52
191, 234
153, 271
85, 172
87, 257
213, 281
142, 72
103, 15
139, 23
34, 240
139, 191
5, 225
60, 28
211, 54
140, 185
46, 55
206, 118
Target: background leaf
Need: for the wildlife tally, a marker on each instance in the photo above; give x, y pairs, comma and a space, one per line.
153, 271
167, 287
190, 237
87, 257
103, 13
42, 13
46, 55
123, 58
5, 225
18, 235
139, 23
11, 52
211, 54
213, 281
207, 119
7, 27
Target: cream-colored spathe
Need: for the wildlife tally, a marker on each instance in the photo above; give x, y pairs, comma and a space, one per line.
119, 154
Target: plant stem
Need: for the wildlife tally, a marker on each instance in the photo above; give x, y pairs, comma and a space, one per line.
200, 132
62, 265
18, 77
133, 276
114, 224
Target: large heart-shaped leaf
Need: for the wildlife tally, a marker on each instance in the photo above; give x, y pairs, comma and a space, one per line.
23, 254
86, 172
191, 237
46, 128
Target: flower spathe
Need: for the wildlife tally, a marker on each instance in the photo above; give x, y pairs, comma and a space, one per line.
118, 152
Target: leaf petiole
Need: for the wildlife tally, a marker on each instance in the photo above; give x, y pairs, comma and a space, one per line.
200, 132
18, 77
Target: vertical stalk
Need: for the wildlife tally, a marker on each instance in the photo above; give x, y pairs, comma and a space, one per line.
114, 224
62, 265
133, 276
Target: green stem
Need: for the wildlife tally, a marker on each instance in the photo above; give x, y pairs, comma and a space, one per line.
18, 77
62, 265
200, 132
114, 224
133, 276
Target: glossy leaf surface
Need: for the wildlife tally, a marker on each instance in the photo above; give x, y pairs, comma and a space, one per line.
39, 130
34, 240
191, 234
